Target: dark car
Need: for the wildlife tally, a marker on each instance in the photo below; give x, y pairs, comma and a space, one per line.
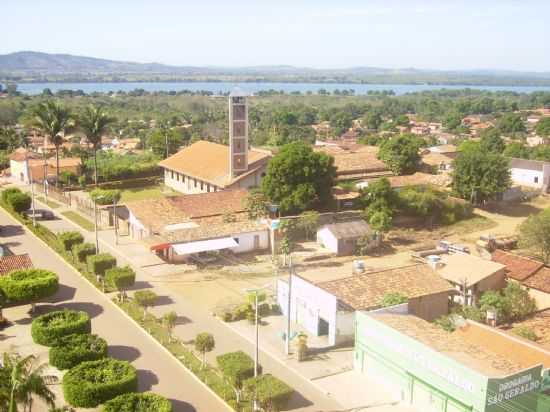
40, 214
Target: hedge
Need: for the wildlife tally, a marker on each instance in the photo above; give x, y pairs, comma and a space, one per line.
81, 251
272, 393
236, 367
92, 383
105, 196
28, 285
48, 329
98, 264
19, 201
8, 192
120, 278
138, 402
76, 348
70, 239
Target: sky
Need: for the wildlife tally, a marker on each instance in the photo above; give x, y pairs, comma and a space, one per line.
426, 34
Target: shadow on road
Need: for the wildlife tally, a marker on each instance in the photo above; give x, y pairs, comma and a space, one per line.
297, 401
146, 379
11, 230
63, 294
183, 320
127, 353
181, 406
140, 284
163, 300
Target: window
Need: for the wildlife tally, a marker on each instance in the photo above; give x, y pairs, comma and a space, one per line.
202, 186
172, 174
536, 179
195, 182
236, 239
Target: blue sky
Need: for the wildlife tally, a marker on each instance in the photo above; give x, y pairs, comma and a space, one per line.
437, 34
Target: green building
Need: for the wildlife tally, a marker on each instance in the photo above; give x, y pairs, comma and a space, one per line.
474, 369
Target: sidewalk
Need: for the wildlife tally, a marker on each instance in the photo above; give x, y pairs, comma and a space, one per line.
192, 319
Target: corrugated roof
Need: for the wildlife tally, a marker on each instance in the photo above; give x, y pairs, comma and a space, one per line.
517, 267
349, 230
209, 162
534, 165
14, 262
366, 291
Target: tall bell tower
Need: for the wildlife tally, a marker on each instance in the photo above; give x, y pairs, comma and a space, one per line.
238, 133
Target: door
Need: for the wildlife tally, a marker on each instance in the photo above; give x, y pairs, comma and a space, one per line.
322, 328
256, 242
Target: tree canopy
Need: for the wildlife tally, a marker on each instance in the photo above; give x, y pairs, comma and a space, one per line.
543, 127
535, 235
401, 153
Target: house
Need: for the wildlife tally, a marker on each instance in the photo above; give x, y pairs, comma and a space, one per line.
341, 238
20, 162
440, 162
180, 228
25, 164
470, 275
473, 369
10, 263
356, 161
328, 308
530, 173
345, 199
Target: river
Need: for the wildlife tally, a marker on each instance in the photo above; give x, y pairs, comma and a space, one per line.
221, 87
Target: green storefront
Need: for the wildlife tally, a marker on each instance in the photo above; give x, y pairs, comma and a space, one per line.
434, 382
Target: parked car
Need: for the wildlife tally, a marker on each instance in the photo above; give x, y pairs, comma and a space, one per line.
40, 214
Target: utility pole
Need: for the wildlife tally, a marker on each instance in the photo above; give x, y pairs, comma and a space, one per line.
287, 343
29, 174
95, 227
115, 220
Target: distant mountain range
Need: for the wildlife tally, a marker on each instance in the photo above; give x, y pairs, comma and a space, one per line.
29, 66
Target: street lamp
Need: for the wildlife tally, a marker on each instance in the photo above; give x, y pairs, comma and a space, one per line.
289, 303
255, 291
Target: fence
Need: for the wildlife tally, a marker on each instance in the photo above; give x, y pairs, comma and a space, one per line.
55, 194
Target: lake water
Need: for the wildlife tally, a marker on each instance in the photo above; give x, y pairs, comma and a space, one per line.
221, 87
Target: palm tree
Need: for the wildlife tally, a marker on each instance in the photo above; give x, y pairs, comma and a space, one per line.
52, 118
26, 380
94, 122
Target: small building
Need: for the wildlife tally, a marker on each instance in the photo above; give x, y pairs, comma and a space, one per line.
470, 275
328, 308
341, 238
474, 369
10, 263
355, 162
530, 173
25, 164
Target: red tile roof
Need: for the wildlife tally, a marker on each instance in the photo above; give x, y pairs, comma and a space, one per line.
540, 280
517, 267
14, 262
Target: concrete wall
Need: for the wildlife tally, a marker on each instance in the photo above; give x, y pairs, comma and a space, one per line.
17, 169
542, 298
430, 307
185, 184
527, 177
246, 241
136, 229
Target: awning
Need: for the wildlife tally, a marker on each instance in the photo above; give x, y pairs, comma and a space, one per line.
160, 246
204, 246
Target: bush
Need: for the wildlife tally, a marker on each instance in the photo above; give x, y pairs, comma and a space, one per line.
272, 393
105, 196
48, 329
19, 201
81, 251
138, 402
446, 323
70, 239
393, 298
236, 367
98, 264
74, 349
28, 285
526, 333
8, 192
120, 278
511, 304
92, 383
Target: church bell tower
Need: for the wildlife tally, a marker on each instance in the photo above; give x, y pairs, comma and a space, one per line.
238, 133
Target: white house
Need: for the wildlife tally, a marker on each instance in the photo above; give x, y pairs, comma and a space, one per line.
341, 238
531, 173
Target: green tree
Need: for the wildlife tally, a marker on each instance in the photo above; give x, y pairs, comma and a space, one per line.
469, 146
170, 320
145, 299
26, 380
479, 176
401, 153
511, 123
309, 222
393, 298
373, 120
165, 140
94, 122
204, 342
256, 204
491, 140
452, 121
10, 139
517, 150
534, 235
298, 178
52, 119
543, 127
513, 303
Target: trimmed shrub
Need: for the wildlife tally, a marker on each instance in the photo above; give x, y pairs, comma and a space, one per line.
272, 393
98, 264
105, 196
120, 278
70, 239
76, 348
19, 201
92, 383
236, 367
138, 402
28, 285
526, 333
8, 192
48, 329
81, 251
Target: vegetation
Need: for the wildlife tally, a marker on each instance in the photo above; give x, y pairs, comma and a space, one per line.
236, 367
401, 153
70, 239
92, 383
79, 220
393, 298
298, 178
28, 285
204, 342
309, 222
526, 333
170, 319
105, 196
71, 350
256, 204
81, 251
513, 303
112, 166
272, 393
543, 127
100, 263
48, 329
534, 235
19, 201
120, 278
145, 299
138, 402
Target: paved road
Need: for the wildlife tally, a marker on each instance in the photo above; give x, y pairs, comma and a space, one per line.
158, 371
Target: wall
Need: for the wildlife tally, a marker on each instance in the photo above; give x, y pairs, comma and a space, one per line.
308, 303
16, 168
327, 240
430, 307
246, 241
527, 177
252, 180
345, 327
137, 230
542, 298
186, 184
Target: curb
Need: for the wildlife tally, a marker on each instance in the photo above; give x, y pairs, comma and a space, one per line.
104, 296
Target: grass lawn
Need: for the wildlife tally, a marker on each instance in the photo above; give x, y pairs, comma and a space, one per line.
50, 203
79, 220
474, 224
141, 193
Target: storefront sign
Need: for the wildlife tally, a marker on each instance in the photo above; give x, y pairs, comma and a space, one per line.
509, 388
